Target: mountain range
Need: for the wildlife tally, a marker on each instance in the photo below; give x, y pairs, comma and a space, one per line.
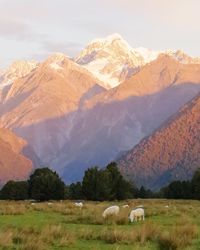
78, 112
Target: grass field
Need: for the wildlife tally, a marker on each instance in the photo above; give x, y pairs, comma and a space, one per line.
62, 226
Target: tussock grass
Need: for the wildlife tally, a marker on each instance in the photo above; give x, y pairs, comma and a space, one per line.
6, 238
179, 237
13, 209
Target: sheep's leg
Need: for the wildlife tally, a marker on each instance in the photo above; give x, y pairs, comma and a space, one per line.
143, 217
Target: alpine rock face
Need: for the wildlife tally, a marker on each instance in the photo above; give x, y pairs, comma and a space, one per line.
170, 153
112, 60
75, 113
16, 70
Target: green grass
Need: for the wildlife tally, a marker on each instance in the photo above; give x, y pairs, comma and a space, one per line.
62, 226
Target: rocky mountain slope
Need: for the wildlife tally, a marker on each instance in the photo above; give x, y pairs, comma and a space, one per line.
116, 120
36, 106
171, 153
13, 164
16, 70
72, 122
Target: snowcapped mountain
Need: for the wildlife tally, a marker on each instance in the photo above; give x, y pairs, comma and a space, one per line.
16, 70
80, 112
183, 57
113, 60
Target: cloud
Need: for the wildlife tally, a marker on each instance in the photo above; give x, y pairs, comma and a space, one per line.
68, 48
16, 29
179, 13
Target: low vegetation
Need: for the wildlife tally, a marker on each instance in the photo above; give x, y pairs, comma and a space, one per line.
169, 225
49, 219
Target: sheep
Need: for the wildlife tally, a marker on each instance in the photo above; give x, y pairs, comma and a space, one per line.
49, 203
125, 206
136, 213
140, 206
113, 210
78, 204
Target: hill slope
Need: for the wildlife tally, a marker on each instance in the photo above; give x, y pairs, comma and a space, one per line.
171, 152
13, 164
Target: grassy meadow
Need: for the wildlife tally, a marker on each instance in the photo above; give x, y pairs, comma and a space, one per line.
61, 225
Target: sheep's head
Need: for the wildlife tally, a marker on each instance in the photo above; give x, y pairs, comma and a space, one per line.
131, 217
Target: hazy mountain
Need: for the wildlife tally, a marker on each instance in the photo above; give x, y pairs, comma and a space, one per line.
170, 153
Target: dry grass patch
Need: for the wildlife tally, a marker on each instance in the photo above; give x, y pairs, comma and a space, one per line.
13, 209
148, 232
6, 238
180, 237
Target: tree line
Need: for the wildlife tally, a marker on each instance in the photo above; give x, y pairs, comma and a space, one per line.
97, 185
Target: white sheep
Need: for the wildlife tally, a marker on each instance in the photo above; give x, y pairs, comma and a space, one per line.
113, 210
78, 204
140, 206
125, 206
49, 203
137, 213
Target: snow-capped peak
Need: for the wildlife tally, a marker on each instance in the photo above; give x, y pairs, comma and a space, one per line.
109, 39
182, 57
113, 60
148, 55
16, 70
57, 57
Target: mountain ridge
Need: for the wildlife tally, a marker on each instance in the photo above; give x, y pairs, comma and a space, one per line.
72, 122
169, 153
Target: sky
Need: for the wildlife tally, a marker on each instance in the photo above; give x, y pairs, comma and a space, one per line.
33, 29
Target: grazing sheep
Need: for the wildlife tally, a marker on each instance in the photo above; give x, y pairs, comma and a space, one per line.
167, 206
113, 210
125, 206
49, 203
137, 213
32, 204
140, 206
78, 204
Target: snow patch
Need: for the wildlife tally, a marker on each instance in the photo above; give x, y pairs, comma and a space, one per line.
55, 66
4, 84
147, 54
